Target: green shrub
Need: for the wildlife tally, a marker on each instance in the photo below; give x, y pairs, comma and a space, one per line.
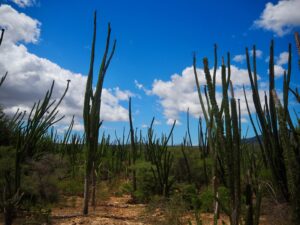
190, 196
224, 195
70, 187
126, 187
207, 198
145, 182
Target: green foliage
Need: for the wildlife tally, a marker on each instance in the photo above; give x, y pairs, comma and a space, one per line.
196, 165
207, 198
162, 159
70, 187
38, 214
8, 135
190, 195
146, 186
7, 154
41, 179
173, 209
126, 188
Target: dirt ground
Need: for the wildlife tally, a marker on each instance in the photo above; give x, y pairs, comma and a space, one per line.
119, 211
115, 211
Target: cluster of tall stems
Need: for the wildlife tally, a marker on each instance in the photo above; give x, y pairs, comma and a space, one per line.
30, 129
280, 141
91, 110
224, 136
161, 159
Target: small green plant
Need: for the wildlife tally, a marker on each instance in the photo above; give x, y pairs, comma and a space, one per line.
162, 160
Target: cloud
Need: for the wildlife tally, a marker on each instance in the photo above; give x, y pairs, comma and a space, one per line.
280, 18
144, 126
24, 3
171, 122
179, 93
156, 122
141, 87
282, 59
123, 95
278, 70
19, 27
241, 58
29, 76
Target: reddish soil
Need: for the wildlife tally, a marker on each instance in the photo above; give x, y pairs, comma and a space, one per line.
119, 211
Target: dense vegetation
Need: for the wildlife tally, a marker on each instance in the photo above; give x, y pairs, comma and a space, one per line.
223, 173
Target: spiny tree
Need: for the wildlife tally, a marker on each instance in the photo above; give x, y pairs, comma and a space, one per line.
271, 146
280, 138
133, 148
223, 123
91, 110
31, 129
162, 160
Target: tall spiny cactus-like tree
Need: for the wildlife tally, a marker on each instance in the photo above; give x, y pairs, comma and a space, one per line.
224, 138
210, 130
41, 117
290, 141
281, 141
30, 132
72, 147
133, 148
295, 92
91, 110
280, 138
271, 145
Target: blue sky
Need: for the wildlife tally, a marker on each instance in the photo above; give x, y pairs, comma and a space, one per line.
155, 40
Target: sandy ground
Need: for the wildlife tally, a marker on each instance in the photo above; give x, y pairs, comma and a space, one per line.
119, 211
114, 211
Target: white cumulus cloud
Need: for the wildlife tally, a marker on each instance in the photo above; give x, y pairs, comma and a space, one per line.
18, 26
280, 18
282, 58
239, 58
179, 94
30, 76
280, 61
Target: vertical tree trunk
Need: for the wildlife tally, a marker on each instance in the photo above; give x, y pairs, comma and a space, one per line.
94, 184
86, 194
133, 148
8, 216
